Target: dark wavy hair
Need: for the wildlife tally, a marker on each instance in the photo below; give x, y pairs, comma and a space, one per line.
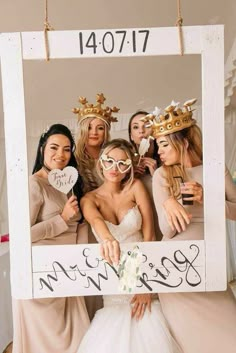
58, 129
139, 112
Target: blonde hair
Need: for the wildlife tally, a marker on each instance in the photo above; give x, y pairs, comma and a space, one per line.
128, 149
86, 163
185, 142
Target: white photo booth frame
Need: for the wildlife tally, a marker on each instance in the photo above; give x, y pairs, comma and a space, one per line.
29, 263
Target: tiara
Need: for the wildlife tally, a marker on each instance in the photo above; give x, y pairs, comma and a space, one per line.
89, 110
174, 119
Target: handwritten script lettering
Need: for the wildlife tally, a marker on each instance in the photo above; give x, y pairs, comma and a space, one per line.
60, 180
93, 272
63, 180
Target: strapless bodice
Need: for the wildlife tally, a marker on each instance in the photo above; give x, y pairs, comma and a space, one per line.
128, 230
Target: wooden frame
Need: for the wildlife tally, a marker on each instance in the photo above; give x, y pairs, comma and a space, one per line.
16, 47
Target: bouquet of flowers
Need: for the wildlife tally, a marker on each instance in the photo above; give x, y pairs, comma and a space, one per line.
129, 270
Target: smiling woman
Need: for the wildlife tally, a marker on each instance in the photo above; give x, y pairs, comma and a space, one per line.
57, 152
94, 127
54, 221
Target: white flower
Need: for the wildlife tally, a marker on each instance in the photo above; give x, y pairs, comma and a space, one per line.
129, 270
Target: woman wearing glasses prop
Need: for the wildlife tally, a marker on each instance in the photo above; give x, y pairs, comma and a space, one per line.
120, 211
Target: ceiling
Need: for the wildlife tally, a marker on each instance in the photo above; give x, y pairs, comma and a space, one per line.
52, 89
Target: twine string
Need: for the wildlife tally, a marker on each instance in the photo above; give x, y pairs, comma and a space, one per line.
179, 23
47, 27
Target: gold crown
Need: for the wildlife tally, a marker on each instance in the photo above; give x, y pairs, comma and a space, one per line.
89, 110
174, 119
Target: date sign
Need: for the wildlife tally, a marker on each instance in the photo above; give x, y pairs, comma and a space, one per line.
63, 180
113, 42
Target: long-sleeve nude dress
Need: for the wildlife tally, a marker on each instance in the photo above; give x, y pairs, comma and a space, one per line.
147, 181
49, 325
200, 322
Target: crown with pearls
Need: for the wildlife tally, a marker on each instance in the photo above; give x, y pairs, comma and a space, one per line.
89, 110
174, 118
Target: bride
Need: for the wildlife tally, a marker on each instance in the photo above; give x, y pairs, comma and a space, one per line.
119, 211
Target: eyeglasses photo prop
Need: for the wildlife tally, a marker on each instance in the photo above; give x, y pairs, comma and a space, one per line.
109, 163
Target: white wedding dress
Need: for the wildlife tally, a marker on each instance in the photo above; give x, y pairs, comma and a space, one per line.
112, 329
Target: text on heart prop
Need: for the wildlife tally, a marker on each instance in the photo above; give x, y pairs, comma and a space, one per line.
63, 180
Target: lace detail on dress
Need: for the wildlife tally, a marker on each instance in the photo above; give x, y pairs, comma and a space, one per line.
128, 230
110, 300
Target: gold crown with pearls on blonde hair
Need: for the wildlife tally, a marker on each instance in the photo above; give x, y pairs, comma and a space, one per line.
89, 110
174, 119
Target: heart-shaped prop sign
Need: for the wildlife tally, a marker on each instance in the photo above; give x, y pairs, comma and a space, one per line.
63, 180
